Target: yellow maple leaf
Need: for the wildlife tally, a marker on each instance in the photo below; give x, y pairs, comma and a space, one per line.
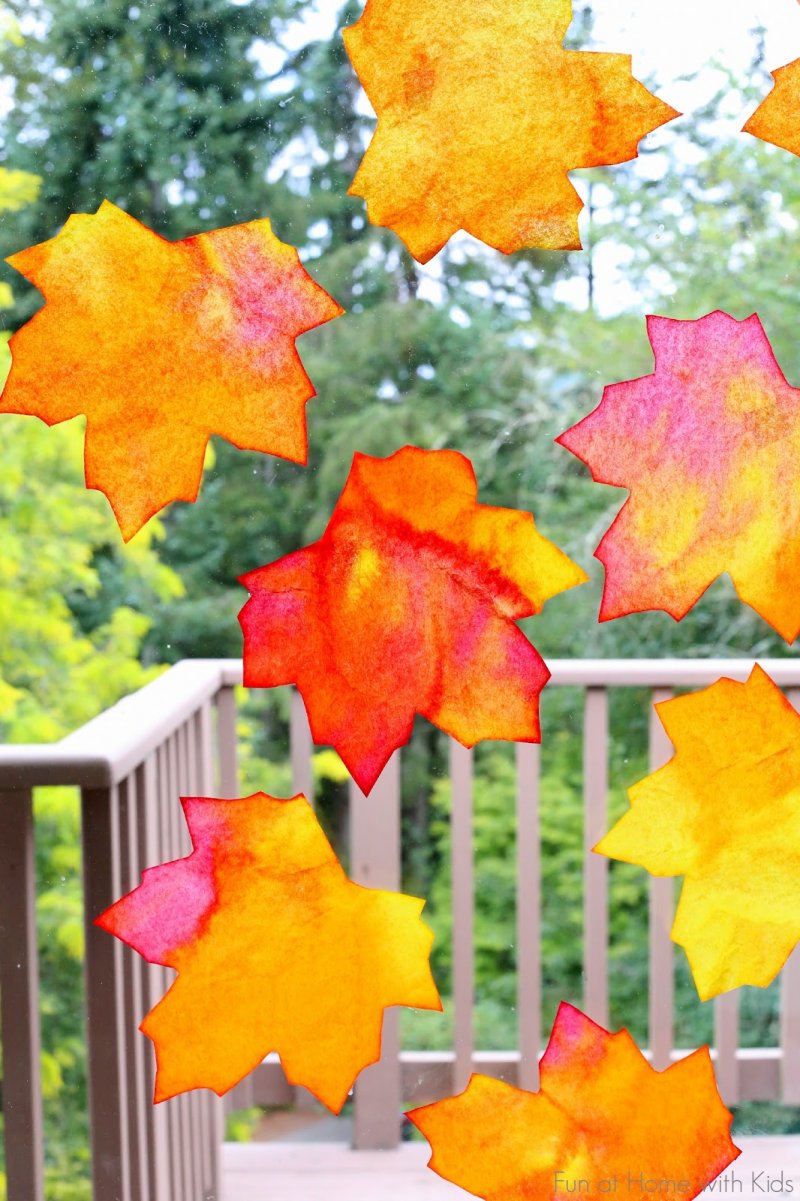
481, 114
725, 813
775, 119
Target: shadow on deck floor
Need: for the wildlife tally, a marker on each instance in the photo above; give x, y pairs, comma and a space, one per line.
316, 1171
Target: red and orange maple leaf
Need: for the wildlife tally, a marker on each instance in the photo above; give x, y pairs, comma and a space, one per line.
709, 447
275, 950
161, 345
406, 605
602, 1113
481, 118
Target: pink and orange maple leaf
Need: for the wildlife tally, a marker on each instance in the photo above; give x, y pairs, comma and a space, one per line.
275, 950
709, 448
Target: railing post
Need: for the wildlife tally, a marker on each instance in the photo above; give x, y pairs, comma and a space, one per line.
19, 998
228, 767
301, 748
726, 1039
375, 863
529, 982
595, 881
107, 1068
790, 1030
463, 883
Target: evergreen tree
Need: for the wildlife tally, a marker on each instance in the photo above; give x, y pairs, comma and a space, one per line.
162, 106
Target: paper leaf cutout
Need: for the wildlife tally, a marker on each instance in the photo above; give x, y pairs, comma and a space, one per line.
162, 344
709, 447
406, 605
776, 118
725, 813
480, 119
275, 949
601, 1112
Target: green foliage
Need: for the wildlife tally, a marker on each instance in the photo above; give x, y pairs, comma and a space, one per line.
56, 672
241, 1124
17, 190
67, 653
766, 1117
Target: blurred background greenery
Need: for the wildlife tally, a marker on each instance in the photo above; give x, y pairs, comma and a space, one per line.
194, 114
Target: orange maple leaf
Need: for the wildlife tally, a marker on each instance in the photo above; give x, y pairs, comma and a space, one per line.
709, 447
481, 117
725, 813
602, 1114
275, 949
407, 605
776, 118
162, 344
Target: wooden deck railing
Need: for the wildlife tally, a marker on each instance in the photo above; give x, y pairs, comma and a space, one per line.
178, 736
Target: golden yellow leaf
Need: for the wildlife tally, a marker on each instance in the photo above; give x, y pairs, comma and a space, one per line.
725, 813
481, 115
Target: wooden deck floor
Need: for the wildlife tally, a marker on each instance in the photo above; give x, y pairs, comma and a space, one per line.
331, 1172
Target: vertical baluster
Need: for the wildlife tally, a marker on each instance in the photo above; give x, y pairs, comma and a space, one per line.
152, 982
190, 787
463, 877
595, 896
529, 979
168, 805
134, 1051
149, 985
226, 742
790, 1030
107, 1068
790, 1007
185, 786
726, 1026
19, 1000
662, 913
375, 863
179, 837
214, 1131
301, 748
201, 1133
242, 1096
183, 847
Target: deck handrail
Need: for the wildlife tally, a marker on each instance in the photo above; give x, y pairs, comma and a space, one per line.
105, 750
